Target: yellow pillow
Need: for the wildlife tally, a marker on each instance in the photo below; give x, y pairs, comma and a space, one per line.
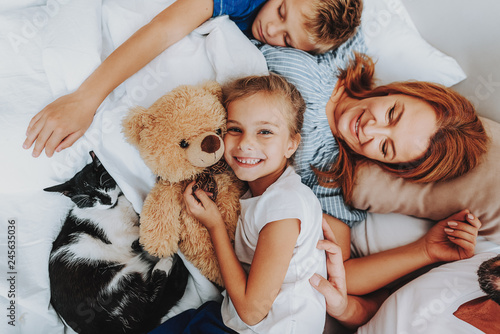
479, 190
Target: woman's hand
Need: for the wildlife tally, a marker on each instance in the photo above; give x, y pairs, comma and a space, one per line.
203, 208
59, 124
453, 238
334, 289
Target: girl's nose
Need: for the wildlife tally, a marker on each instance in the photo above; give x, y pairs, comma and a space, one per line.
245, 144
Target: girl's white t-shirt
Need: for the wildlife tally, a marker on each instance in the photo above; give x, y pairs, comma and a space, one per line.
298, 308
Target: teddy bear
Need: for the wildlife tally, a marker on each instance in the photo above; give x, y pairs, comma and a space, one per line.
179, 137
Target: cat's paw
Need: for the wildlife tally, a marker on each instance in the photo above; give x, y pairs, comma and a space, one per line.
164, 264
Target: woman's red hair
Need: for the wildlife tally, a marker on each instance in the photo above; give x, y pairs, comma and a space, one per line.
454, 149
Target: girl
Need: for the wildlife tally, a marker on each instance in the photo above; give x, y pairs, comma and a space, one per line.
266, 274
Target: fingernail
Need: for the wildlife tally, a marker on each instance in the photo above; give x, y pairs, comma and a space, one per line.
470, 216
314, 280
448, 230
25, 146
453, 224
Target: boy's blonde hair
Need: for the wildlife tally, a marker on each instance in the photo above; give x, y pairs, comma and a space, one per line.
332, 22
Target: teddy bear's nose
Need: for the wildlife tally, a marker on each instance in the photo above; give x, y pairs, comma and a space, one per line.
210, 144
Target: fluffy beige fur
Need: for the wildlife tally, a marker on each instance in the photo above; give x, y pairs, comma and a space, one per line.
178, 137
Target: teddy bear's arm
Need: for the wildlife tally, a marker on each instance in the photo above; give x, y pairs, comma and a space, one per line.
160, 223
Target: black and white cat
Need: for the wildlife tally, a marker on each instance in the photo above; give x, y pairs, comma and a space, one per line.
100, 278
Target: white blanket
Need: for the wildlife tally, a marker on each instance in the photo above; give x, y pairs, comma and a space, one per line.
47, 51
48, 47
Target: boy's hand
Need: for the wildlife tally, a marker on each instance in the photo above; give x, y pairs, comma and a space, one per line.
59, 124
334, 289
453, 238
203, 208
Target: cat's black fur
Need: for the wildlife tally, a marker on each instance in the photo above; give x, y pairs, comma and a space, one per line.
100, 278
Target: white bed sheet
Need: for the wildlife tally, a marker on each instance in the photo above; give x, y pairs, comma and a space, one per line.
47, 51
48, 47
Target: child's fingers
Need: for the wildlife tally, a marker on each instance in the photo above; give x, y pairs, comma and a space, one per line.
41, 141
334, 263
32, 134
324, 286
33, 121
68, 141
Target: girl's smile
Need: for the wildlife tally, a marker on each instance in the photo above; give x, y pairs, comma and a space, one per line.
257, 142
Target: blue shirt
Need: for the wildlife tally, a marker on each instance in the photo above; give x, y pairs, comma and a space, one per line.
315, 77
241, 12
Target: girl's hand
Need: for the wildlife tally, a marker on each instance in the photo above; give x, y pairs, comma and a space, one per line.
453, 238
334, 289
203, 208
59, 124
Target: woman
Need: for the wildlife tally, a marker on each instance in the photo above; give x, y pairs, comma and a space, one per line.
420, 131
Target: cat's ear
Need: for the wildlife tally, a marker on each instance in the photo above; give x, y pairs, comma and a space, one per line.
96, 163
64, 188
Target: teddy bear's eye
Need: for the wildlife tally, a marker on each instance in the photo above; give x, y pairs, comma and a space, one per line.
218, 132
183, 144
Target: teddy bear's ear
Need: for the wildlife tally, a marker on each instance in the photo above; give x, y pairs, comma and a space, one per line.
133, 124
214, 88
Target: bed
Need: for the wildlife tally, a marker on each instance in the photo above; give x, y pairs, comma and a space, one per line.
48, 47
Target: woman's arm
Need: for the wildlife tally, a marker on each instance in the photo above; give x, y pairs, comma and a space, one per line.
451, 239
254, 295
350, 311
342, 234
65, 120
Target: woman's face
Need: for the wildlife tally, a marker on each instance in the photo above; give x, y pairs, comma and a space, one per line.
392, 129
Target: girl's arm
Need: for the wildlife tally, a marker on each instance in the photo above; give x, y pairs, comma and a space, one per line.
451, 239
65, 120
254, 295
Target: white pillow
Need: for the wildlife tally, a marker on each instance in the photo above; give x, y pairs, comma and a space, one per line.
398, 49
16, 4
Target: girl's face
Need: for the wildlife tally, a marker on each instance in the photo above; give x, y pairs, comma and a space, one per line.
392, 129
258, 141
282, 23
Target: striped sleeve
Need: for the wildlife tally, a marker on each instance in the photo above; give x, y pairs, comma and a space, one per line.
315, 77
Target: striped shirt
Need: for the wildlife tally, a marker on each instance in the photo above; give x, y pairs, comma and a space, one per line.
315, 77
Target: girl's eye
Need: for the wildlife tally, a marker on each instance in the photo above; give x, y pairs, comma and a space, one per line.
229, 130
265, 132
280, 11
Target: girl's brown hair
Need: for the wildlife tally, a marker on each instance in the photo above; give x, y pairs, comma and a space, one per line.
274, 86
454, 149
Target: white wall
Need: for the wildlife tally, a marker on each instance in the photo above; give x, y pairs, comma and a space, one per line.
469, 31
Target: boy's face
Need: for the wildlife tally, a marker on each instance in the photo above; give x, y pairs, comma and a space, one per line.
282, 23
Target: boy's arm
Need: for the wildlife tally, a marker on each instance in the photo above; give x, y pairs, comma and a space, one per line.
65, 120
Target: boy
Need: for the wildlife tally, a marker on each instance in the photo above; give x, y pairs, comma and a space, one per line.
313, 25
